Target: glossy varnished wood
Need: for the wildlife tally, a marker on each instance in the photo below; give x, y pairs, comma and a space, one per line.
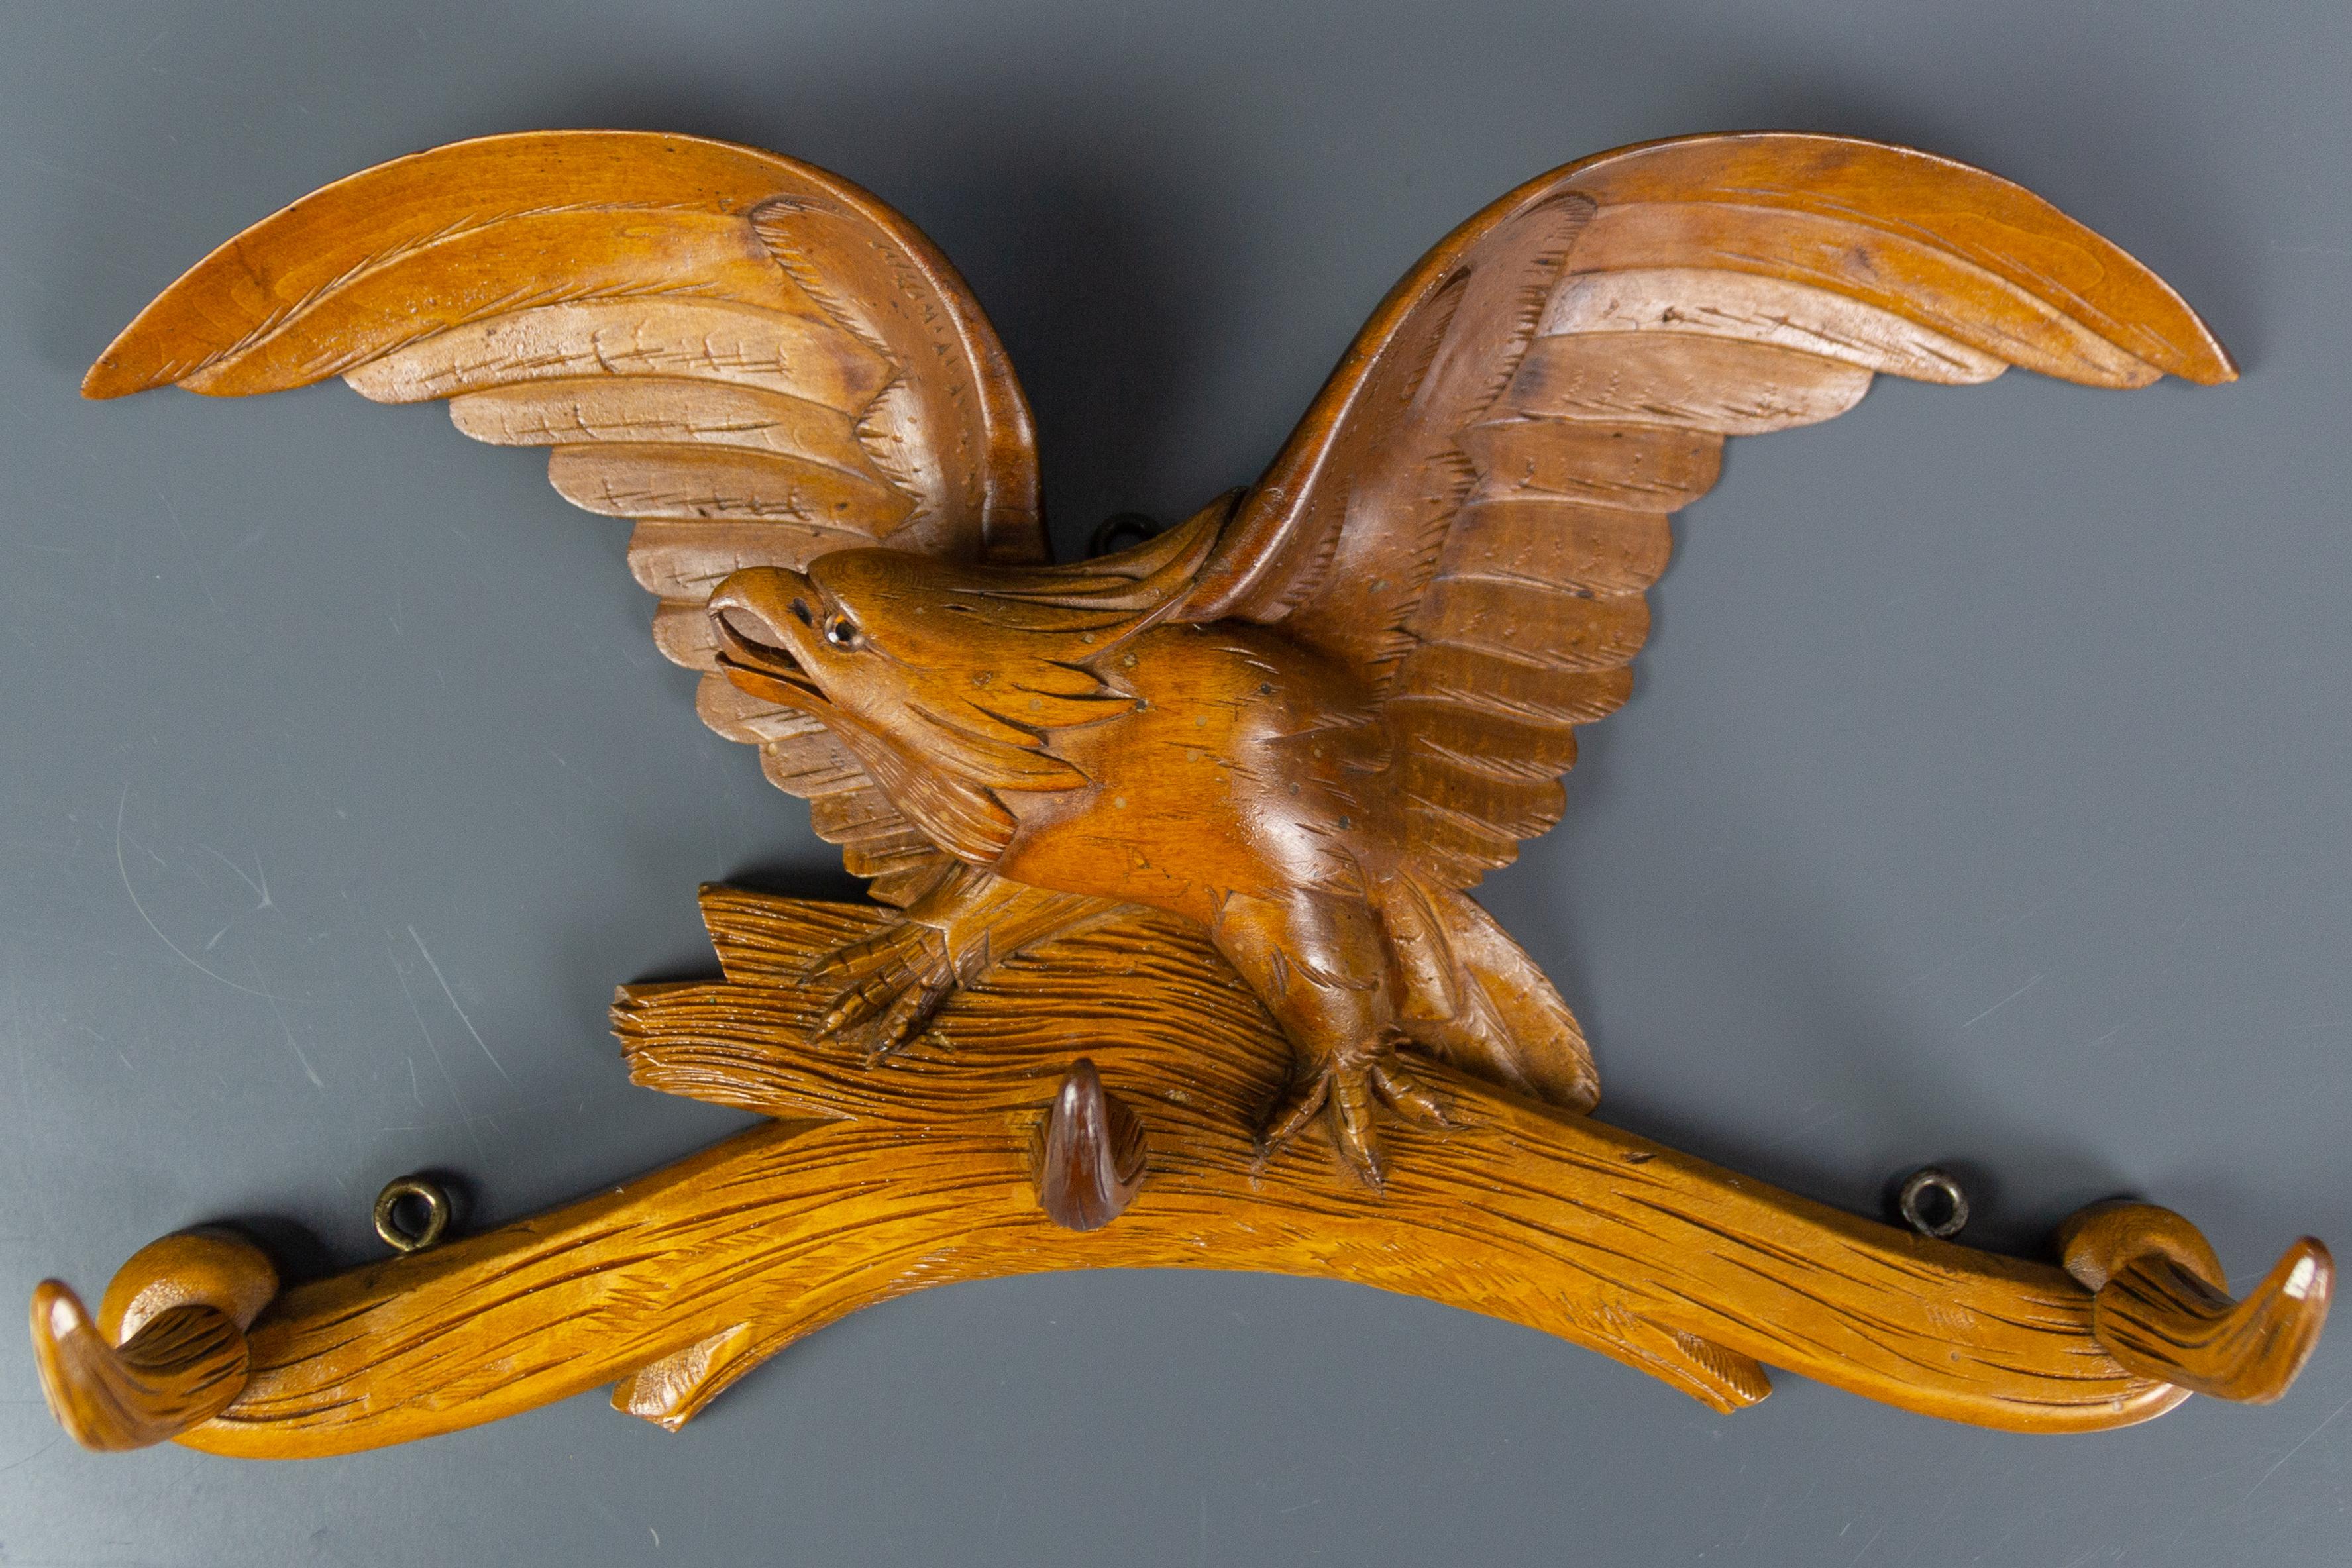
167, 1348
1308, 720
1175, 960
2163, 1305
875, 1182
1090, 1155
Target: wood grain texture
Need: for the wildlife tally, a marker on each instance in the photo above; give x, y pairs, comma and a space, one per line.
1649, 467
874, 1183
797, 355
878, 1182
702, 334
1914, 233
2163, 1305
1752, 307
184, 1367
1204, 812
1699, 383
1393, 636
1468, 515
167, 1349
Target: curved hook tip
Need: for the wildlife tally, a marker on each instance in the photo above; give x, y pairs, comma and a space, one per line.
2162, 1320
1092, 1164
182, 1367
2281, 1319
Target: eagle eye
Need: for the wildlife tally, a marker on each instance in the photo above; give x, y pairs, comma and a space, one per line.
842, 632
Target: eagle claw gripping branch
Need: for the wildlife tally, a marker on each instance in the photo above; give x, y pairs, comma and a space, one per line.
1172, 959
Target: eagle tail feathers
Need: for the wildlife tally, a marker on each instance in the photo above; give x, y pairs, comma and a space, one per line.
1475, 998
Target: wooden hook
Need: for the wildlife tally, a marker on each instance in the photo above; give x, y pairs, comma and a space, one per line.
677, 1283
167, 1349
1092, 1164
2161, 1305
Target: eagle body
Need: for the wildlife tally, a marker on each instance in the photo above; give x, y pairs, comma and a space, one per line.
1309, 719
1219, 770
1246, 790
1246, 768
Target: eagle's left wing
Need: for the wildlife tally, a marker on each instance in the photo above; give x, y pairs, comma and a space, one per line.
754, 360
1469, 513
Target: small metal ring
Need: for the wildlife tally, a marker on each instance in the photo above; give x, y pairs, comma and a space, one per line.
1141, 526
1921, 1180
437, 1213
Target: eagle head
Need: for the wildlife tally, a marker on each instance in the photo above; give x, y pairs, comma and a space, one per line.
948, 679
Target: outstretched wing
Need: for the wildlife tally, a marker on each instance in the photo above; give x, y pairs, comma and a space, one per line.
1472, 508
754, 360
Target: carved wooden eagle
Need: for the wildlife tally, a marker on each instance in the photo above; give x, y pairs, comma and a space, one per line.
1311, 717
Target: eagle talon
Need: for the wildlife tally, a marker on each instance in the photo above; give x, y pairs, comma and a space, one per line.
1402, 1090
1353, 1092
889, 988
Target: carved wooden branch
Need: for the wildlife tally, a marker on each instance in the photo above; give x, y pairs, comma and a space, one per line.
876, 1182
1299, 726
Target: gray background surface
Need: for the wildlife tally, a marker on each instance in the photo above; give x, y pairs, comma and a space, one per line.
1984, 800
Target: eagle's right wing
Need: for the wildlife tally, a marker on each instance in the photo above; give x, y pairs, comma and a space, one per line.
1470, 513
754, 360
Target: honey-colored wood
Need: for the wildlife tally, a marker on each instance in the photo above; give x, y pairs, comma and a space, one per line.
2163, 1304
167, 1350
1180, 964
1309, 719
873, 1183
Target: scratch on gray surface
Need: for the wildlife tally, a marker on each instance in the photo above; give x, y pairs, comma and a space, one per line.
438, 1065
2291, 1453
2094, 1552
204, 577
283, 1028
93, 181
260, 888
2002, 923
36, 1454
2003, 1002
25, 1150
1815, 1126
591, 782
445, 991
124, 870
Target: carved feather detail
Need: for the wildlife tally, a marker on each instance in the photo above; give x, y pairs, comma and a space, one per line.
1708, 287
1291, 731
756, 360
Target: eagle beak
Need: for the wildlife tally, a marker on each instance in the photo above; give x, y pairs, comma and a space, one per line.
759, 613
